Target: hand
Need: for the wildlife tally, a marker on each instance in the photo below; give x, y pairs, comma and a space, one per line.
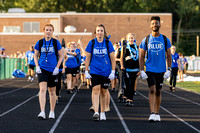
38, 70
112, 75
55, 71
87, 75
167, 74
143, 75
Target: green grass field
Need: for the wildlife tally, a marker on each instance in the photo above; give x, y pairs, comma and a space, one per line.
191, 86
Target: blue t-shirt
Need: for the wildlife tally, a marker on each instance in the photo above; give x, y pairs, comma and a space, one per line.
72, 61
175, 57
48, 60
30, 57
100, 61
156, 61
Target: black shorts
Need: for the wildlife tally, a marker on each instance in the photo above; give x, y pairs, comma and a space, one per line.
100, 80
78, 69
155, 79
31, 67
72, 71
46, 76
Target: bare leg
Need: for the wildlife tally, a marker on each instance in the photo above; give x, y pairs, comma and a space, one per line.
103, 99
157, 100
52, 95
152, 91
42, 95
95, 96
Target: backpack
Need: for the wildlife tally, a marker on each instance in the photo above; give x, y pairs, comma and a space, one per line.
55, 48
93, 42
147, 41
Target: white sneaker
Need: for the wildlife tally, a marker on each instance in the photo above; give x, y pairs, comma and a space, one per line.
152, 118
29, 78
96, 116
32, 79
51, 115
157, 117
102, 116
42, 115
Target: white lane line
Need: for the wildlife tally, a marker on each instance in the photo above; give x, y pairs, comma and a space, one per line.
15, 90
62, 113
17, 106
174, 115
120, 116
179, 97
182, 98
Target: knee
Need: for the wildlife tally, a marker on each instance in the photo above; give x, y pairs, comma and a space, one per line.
103, 93
151, 90
42, 90
95, 91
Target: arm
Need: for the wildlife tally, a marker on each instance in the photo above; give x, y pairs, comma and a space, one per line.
36, 55
112, 59
169, 58
60, 54
121, 58
141, 58
87, 60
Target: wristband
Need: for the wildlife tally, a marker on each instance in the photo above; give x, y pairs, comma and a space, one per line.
169, 68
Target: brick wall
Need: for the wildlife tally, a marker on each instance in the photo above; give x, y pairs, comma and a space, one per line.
117, 25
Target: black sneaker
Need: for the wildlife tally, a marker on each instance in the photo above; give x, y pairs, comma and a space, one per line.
113, 90
129, 103
170, 88
124, 100
69, 91
96, 117
76, 89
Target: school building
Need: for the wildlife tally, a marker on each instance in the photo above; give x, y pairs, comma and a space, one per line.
20, 30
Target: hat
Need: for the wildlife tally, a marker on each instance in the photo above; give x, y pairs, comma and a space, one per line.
3, 49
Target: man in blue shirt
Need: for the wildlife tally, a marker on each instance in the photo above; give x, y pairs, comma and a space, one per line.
30, 62
155, 65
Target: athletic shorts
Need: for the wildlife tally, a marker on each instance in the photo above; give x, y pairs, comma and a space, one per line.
46, 76
100, 80
31, 67
78, 69
72, 71
155, 79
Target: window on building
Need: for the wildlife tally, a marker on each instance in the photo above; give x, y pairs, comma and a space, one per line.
31, 27
11, 29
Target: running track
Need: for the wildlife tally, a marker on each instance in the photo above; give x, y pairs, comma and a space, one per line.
19, 107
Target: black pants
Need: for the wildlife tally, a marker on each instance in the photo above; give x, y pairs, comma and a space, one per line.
130, 78
173, 76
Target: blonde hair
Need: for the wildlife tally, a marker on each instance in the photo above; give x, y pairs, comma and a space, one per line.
130, 34
173, 47
70, 43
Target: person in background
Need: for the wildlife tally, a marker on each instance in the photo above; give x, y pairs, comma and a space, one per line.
3, 53
175, 65
130, 63
29, 61
181, 67
70, 65
185, 66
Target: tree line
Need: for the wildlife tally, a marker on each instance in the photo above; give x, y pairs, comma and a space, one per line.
185, 13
